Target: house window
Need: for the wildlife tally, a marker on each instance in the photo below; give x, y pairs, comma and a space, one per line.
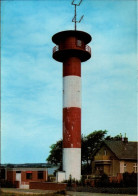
135, 167
105, 152
98, 168
40, 174
125, 167
79, 43
29, 176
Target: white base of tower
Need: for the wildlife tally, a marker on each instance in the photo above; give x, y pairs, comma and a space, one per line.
72, 163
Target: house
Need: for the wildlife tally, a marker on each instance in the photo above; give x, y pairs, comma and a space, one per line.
20, 175
115, 158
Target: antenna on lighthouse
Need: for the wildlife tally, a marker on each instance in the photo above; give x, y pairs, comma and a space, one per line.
75, 15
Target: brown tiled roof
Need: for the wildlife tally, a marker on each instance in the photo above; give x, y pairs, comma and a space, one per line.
123, 150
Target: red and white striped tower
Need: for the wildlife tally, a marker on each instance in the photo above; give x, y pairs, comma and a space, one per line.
71, 49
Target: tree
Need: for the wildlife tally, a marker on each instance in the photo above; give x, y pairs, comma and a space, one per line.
115, 138
89, 144
55, 157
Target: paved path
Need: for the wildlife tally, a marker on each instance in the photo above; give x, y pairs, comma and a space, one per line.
70, 193
52, 193
26, 191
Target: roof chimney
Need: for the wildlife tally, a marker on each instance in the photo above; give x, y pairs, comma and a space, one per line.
120, 137
125, 139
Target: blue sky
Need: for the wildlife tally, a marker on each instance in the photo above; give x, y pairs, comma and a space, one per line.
31, 82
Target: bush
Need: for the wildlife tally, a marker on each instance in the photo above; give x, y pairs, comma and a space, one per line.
103, 181
82, 181
6, 184
129, 179
73, 183
86, 169
63, 192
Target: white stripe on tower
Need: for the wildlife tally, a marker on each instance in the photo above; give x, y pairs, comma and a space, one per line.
71, 91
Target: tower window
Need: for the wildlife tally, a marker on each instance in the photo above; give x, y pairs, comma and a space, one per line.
79, 43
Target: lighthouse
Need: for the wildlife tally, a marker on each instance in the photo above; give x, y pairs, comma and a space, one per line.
71, 49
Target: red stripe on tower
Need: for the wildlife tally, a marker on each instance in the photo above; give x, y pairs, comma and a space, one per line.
72, 127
